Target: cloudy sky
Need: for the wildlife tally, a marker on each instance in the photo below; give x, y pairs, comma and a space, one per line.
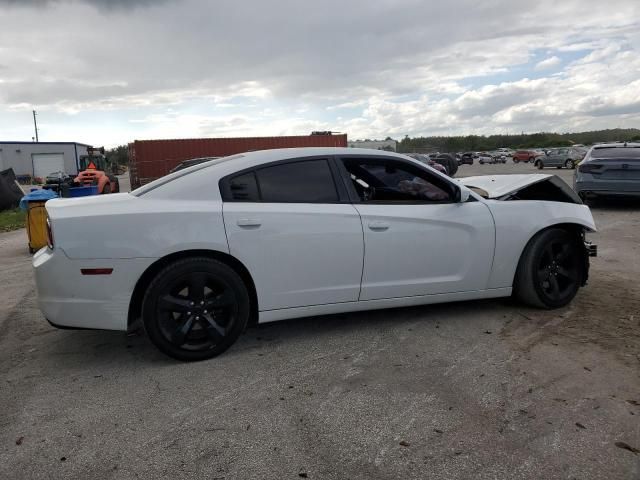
111, 71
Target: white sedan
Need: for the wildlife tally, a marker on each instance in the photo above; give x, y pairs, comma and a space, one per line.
277, 234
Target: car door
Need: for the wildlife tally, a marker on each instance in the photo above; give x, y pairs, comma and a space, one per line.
296, 231
419, 239
557, 158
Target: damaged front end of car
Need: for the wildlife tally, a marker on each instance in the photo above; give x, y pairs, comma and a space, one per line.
537, 188
522, 187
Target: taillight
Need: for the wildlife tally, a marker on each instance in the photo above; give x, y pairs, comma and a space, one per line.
49, 234
588, 168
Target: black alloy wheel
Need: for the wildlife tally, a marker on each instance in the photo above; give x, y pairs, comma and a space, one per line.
550, 270
558, 271
195, 309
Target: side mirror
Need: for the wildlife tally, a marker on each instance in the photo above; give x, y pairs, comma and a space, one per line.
464, 195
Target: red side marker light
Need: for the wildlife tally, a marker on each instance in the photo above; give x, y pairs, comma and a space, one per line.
96, 271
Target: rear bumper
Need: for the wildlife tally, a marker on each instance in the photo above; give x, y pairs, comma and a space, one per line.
69, 299
608, 187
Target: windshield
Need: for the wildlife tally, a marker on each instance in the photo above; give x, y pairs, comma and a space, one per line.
615, 152
180, 173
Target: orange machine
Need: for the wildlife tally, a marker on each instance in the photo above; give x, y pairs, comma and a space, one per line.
93, 172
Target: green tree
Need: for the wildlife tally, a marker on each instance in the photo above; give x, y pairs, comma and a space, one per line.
119, 154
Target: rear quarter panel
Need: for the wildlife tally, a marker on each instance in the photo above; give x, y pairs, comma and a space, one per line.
136, 227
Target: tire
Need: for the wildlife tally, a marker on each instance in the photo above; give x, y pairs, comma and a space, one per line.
515, 160
481, 162
569, 164
531, 159
106, 189
550, 270
453, 165
195, 308
449, 162
539, 165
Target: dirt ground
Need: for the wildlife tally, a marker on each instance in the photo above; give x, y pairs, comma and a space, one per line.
485, 389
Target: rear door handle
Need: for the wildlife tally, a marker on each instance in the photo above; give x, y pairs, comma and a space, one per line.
248, 222
378, 226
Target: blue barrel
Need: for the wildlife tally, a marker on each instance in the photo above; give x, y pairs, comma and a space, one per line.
83, 191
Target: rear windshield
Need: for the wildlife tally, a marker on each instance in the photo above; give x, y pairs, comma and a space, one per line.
615, 152
179, 174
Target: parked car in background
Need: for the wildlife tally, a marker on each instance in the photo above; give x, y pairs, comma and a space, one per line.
190, 163
525, 156
487, 157
427, 161
508, 152
278, 234
498, 156
466, 158
559, 158
609, 170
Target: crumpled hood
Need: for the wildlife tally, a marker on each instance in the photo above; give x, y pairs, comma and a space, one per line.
497, 186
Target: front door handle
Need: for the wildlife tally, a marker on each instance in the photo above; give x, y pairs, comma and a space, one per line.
248, 222
378, 226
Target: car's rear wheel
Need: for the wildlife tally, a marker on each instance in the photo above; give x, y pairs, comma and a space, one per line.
515, 160
550, 270
569, 164
530, 159
195, 308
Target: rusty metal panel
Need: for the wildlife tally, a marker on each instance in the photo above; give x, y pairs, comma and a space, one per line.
151, 159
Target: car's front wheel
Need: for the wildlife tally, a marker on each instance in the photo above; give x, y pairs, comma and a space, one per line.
569, 164
195, 308
539, 165
550, 270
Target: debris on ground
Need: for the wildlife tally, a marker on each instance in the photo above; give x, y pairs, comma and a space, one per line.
626, 446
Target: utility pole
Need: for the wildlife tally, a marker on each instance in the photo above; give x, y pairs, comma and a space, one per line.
35, 124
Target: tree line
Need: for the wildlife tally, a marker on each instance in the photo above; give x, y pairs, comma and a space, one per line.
476, 142
532, 140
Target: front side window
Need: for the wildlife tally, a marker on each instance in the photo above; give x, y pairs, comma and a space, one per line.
390, 182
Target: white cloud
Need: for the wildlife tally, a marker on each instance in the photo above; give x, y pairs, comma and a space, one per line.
548, 63
376, 69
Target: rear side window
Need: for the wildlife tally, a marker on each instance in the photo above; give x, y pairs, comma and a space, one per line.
308, 181
244, 188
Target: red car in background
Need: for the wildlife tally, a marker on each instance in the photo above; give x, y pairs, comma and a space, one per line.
525, 155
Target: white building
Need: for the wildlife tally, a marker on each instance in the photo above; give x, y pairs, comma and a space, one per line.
389, 145
40, 159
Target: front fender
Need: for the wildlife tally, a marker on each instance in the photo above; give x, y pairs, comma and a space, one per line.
518, 221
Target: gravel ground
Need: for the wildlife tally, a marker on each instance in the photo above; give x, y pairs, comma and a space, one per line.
484, 389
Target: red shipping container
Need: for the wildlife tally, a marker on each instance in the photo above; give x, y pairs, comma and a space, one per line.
152, 159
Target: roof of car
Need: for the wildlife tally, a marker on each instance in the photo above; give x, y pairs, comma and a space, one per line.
242, 161
617, 145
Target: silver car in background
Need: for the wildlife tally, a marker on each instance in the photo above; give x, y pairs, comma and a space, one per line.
609, 170
559, 157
